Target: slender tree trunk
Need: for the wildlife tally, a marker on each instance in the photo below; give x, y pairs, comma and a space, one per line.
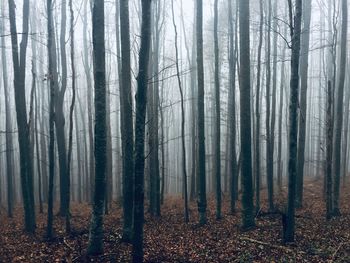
257, 112
141, 102
202, 198
98, 32
79, 158
19, 66
60, 120
71, 112
280, 121
52, 75
8, 122
269, 154
183, 144
246, 135
338, 110
126, 122
304, 67
329, 150
217, 140
89, 103
295, 28
38, 155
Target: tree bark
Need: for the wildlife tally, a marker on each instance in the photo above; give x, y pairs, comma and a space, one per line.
60, 120
217, 140
183, 144
126, 121
304, 67
19, 66
246, 134
8, 122
141, 102
98, 32
295, 31
52, 78
202, 198
338, 110
257, 112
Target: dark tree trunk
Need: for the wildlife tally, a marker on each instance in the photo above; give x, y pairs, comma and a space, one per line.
257, 112
126, 121
19, 66
269, 149
217, 140
60, 120
304, 67
338, 110
232, 110
295, 27
183, 144
79, 158
141, 102
246, 134
329, 150
202, 198
98, 32
52, 78
71, 112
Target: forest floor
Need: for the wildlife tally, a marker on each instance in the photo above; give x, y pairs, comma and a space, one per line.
169, 239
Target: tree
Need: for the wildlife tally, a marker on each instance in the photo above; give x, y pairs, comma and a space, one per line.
96, 226
53, 81
202, 198
87, 71
71, 112
8, 122
141, 102
295, 32
269, 145
232, 109
329, 152
338, 110
304, 66
184, 172
257, 111
60, 119
246, 140
19, 67
217, 162
126, 121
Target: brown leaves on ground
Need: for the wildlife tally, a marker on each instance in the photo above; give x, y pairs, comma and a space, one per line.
169, 239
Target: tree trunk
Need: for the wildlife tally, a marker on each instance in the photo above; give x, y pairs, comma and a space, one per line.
269, 149
257, 112
71, 112
329, 150
52, 78
60, 120
246, 135
217, 135
184, 172
98, 32
338, 110
295, 27
89, 103
19, 66
8, 122
304, 67
141, 102
202, 198
126, 121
